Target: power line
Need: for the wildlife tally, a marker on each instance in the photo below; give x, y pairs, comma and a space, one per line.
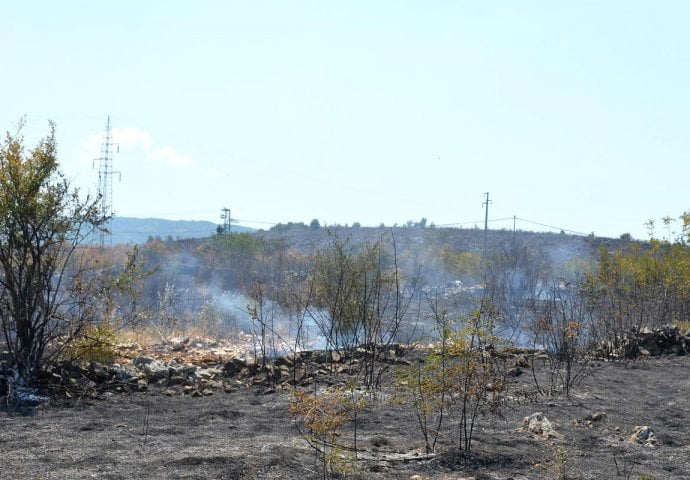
552, 227
513, 219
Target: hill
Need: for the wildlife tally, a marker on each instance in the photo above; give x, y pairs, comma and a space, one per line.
560, 247
139, 230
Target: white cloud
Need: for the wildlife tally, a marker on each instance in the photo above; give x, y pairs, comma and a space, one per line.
132, 139
139, 143
168, 156
90, 149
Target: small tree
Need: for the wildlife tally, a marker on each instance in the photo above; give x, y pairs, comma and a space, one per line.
45, 293
463, 377
562, 328
323, 418
361, 301
427, 384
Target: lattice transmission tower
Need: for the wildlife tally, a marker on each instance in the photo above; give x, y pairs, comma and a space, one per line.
105, 180
227, 221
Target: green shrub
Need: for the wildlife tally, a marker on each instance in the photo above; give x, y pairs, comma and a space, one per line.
683, 326
96, 344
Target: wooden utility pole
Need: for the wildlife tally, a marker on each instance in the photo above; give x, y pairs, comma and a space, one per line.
486, 220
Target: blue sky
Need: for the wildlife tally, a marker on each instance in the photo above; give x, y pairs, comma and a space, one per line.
571, 114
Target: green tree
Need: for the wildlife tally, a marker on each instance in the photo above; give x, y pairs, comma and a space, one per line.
462, 377
44, 294
359, 299
643, 286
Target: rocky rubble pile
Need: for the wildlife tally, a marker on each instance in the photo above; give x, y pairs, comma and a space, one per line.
179, 377
665, 340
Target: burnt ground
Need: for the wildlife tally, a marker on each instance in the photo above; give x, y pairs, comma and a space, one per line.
247, 432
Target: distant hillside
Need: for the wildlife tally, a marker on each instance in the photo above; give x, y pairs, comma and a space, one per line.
138, 230
560, 247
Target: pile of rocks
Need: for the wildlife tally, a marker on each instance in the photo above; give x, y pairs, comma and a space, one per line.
664, 340
175, 377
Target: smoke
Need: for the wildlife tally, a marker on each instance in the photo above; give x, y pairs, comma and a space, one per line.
200, 289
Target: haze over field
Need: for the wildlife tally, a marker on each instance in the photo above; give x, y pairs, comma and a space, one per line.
571, 114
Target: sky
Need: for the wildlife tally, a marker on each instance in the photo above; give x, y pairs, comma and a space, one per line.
572, 115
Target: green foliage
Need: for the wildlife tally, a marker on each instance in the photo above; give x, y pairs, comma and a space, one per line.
685, 227
461, 377
683, 326
233, 257
238, 244
462, 264
42, 221
286, 227
426, 389
642, 286
322, 418
350, 285
560, 463
96, 343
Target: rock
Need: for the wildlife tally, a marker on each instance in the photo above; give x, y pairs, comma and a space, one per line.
538, 424
522, 362
128, 375
187, 389
318, 356
132, 346
141, 360
590, 420
209, 373
176, 380
284, 371
596, 417
98, 373
170, 392
213, 384
514, 372
235, 366
155, 370
644, 435
284, 361
69, 369
179, 343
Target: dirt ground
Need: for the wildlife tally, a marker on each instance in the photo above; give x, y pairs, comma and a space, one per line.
248, 433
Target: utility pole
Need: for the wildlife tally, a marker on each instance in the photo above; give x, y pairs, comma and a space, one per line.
105, 179
486, 219
227, 220
514, 219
